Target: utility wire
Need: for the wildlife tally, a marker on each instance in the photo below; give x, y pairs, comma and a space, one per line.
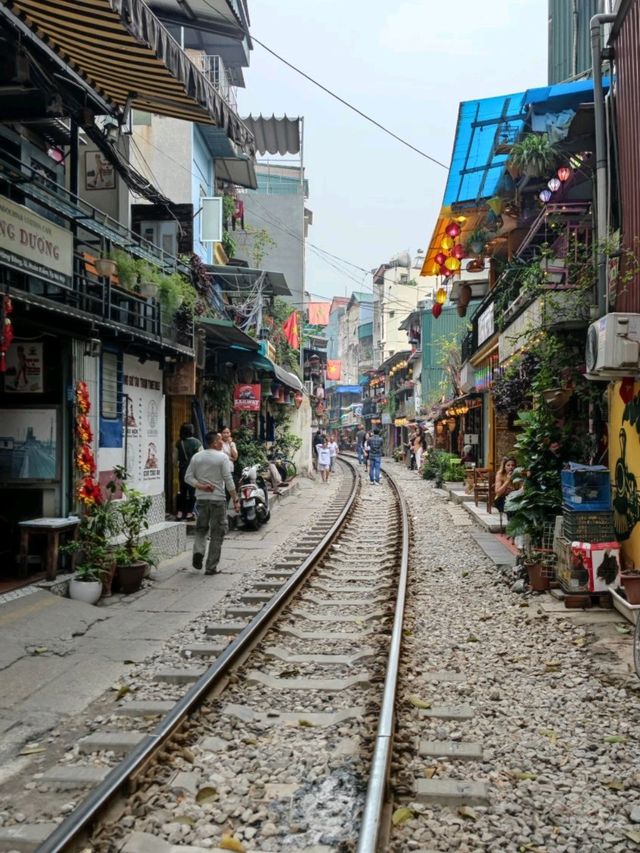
325, 89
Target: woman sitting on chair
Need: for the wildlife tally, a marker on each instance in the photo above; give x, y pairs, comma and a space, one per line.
504, 482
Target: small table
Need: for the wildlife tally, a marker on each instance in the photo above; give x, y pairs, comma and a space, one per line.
52, 528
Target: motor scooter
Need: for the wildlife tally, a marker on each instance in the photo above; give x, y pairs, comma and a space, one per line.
254, 498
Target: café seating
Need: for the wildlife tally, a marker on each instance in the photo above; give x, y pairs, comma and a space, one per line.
484, 487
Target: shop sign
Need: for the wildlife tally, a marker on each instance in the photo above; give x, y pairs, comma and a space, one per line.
486, 325
142, 385
182, 382
246, 398
33, 245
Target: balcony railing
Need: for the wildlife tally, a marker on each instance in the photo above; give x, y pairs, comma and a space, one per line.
213, 69
86, 295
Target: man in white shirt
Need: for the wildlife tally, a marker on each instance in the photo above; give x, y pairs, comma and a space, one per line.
324, 460
209, 473
333, 451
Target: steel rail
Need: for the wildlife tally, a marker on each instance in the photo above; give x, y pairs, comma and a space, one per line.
371, 825
80, 820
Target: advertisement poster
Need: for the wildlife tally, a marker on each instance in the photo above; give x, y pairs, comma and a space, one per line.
29, 444
246, 398
24, 373
144, 424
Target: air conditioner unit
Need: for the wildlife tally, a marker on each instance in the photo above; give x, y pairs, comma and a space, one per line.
613, 346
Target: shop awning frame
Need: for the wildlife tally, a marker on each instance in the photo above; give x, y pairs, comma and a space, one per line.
224, 333
123, 51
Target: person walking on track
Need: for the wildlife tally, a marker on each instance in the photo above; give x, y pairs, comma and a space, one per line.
333, 452
209, 472
360, 439
324, 460
375, 456
185, 448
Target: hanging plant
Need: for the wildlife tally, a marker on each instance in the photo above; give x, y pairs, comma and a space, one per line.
534, 155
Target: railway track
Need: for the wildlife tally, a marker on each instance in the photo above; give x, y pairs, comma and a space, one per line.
283, 742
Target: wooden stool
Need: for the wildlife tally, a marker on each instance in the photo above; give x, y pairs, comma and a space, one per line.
51, 528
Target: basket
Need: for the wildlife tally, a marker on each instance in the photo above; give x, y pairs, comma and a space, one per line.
586, 489
588, 526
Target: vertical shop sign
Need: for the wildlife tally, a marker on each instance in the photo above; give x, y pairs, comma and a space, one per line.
144, 421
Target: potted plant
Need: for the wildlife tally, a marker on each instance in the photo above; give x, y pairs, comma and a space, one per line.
477, 240
105, 267
132, 557
534, 155
630, 579
94, 571
148, 279
170, 293
127, 269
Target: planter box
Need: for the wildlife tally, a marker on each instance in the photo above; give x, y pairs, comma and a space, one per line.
629, 611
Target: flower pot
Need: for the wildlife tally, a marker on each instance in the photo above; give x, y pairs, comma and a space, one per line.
631, 584
87, 591
105, 267
149, 289
538, 580
130, 576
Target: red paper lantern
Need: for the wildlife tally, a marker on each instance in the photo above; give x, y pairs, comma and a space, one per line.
564, 173
464, 296
297, 399
458, 251
452, 229
440, 258
444, 270
436, 309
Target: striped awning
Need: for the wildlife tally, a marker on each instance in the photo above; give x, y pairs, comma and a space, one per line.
123, 52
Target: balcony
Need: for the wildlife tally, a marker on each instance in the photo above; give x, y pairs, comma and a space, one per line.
547, 284
68, 282
214, 70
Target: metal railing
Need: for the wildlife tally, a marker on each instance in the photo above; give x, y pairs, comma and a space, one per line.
214, 70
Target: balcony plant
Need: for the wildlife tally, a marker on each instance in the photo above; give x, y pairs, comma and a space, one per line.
171, 293
534, 156
105, 267
477, 240
148, 279
127, 267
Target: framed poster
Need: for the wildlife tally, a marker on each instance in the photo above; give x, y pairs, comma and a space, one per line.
99, 173
24, 374
29, 444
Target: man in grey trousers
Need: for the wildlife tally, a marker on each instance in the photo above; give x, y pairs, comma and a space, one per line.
209, 472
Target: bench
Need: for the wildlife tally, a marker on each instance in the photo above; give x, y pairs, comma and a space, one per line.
53, 529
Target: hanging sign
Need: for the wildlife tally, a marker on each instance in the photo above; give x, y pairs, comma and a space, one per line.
33, 245
246, 398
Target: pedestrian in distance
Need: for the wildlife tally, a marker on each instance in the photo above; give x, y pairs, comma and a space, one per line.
185, 448
324, 460
333, 450
361, 436
318, 438
209, 473
375, 456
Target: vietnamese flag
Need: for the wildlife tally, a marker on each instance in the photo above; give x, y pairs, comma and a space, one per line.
290, 329
334, 369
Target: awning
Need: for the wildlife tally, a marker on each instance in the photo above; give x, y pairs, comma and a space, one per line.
225, 333
286, 378
123, 51
275, 135
236, 170
236, 281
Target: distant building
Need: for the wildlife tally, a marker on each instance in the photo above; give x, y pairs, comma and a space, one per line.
570, 39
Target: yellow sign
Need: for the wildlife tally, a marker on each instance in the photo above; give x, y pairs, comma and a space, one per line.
33, 245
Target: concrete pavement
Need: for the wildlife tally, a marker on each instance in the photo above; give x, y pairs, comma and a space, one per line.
58, 655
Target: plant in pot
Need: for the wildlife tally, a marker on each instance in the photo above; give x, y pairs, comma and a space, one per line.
127, 267
148, 279
105, 267
96, 564
132, 556
477, 240
630, 580
170, 294
534, 156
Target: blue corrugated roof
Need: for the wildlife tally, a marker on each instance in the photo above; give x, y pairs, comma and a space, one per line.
476, 170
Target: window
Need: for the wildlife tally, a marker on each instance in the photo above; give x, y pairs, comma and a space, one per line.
404, 278
392, 314
109, 403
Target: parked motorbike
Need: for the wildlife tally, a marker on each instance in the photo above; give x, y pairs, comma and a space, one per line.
254, 499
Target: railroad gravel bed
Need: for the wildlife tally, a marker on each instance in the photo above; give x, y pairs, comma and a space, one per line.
559, 731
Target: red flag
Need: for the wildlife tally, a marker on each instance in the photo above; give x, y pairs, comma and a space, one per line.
290, 330
334, 369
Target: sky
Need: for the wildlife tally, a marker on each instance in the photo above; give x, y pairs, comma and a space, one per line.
407, 64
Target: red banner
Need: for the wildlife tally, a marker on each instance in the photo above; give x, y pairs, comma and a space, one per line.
246, 398
334, 369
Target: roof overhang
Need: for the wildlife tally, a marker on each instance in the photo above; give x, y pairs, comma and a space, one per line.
236, 170
236, 281
276, 135
217, 16
224, 333
127, 56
